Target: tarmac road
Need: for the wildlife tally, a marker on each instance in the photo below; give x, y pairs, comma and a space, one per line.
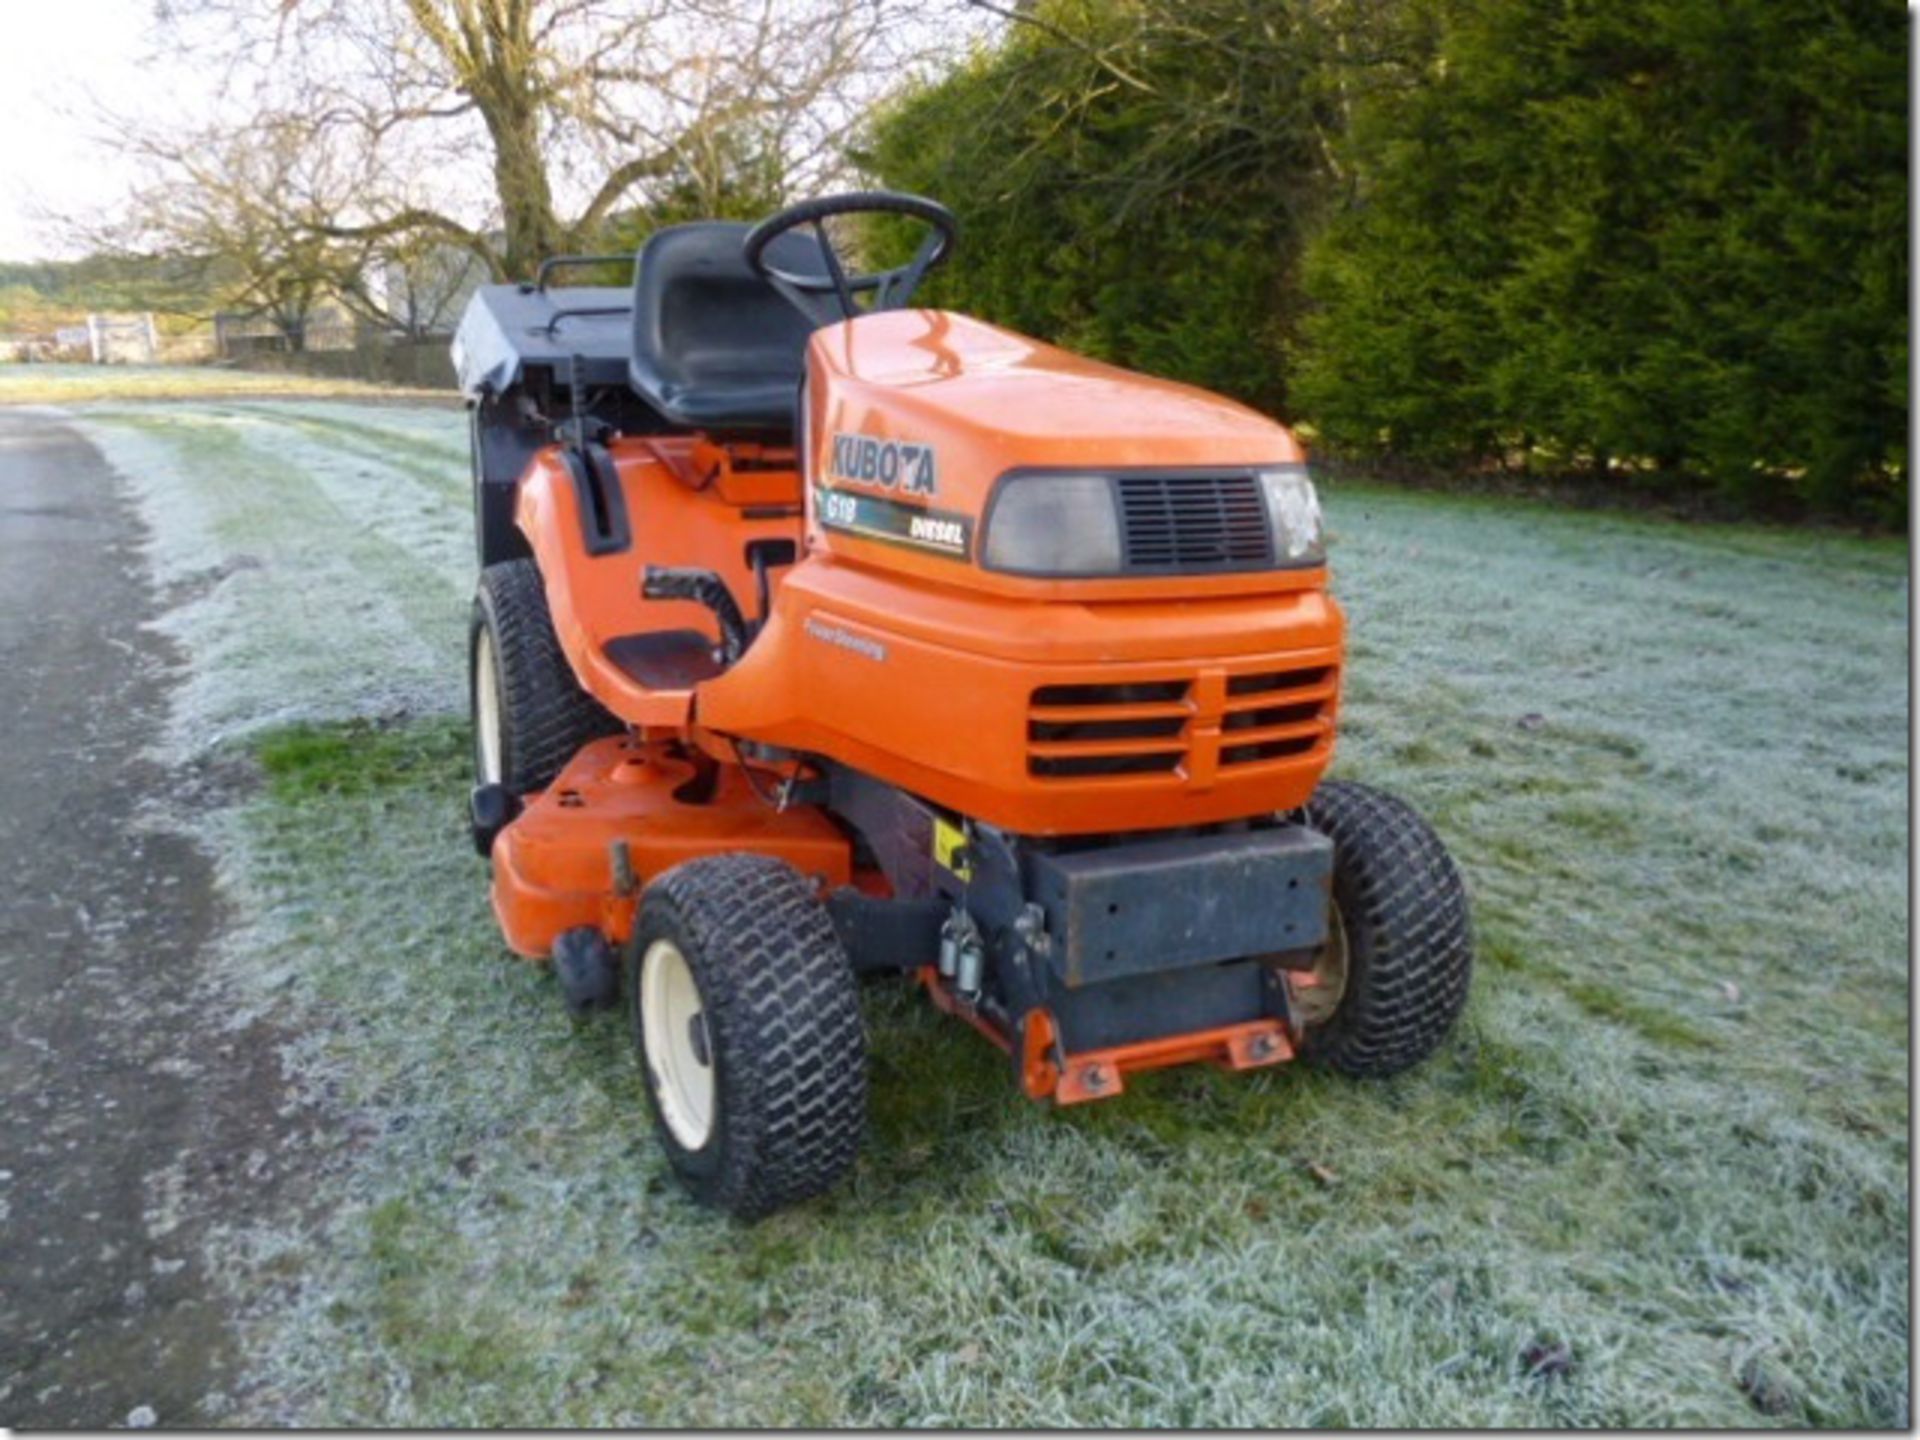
131, 1116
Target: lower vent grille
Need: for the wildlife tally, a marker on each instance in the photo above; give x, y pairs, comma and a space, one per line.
1077, 732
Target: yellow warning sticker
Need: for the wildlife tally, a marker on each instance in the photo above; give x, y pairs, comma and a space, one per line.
950, 848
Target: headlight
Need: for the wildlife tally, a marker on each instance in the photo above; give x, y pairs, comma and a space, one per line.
1293, 511
1048, 524
1054, 525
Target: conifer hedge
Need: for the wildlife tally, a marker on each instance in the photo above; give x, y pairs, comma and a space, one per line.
1661, 243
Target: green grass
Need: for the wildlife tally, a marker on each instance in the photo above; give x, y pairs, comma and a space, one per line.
1670, 1135
306, 761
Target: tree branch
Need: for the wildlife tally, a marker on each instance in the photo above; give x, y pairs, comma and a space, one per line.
623, 179
414, 220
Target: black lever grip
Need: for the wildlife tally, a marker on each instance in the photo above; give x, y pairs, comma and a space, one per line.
703, 587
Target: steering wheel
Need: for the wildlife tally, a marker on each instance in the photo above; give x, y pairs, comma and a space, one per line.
809, 289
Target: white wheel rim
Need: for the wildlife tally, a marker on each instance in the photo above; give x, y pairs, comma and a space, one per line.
1315, 996
670, 1016
486, 708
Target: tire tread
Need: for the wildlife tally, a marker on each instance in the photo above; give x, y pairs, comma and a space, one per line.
547, 715
1409, 933
784, 1015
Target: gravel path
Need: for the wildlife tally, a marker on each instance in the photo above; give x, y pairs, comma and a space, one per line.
132, 1116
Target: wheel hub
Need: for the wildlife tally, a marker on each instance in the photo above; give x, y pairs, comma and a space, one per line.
677, 1044
1314, 995
486, 709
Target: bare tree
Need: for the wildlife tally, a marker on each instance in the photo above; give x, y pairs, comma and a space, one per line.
515, 129
241, 219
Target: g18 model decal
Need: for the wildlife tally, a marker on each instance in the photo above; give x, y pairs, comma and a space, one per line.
878, 518
890, 464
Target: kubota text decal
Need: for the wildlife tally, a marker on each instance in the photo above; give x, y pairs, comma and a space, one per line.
898, 465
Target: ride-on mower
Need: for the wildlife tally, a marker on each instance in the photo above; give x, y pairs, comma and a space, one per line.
818, 636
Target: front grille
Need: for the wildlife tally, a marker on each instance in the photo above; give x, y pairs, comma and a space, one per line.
1078, 731
1187, 523
1156, 727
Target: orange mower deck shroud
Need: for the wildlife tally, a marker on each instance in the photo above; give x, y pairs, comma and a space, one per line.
555, 868
924, 671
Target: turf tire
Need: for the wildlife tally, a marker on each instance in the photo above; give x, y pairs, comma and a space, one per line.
783, 1030
545, 717
1409, 937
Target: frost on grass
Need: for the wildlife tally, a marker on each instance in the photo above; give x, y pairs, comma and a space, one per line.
314, 576
1667, 1147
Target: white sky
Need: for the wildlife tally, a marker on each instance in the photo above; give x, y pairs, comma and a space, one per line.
62, 60
56, 58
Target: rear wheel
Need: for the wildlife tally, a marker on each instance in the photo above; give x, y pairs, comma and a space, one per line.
1392, 978
530, 715
747, 1020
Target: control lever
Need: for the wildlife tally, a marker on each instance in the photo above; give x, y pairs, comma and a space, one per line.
703, 587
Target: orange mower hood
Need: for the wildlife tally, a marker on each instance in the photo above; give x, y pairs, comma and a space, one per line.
990, 400
913, 417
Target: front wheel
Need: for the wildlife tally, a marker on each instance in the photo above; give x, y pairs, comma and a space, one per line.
747, 1020
1392, 977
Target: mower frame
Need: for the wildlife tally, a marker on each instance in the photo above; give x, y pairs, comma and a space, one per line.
1080, 812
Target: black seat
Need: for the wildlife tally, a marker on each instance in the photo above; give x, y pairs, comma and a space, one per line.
714, 345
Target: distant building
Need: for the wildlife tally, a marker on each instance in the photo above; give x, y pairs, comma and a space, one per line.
424, 294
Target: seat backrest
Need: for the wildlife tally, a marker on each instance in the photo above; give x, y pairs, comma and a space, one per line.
715, 347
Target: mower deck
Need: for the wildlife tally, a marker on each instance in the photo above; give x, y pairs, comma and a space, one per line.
557, 866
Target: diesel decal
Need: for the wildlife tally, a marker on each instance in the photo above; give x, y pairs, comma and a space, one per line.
890, 464
941, 532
